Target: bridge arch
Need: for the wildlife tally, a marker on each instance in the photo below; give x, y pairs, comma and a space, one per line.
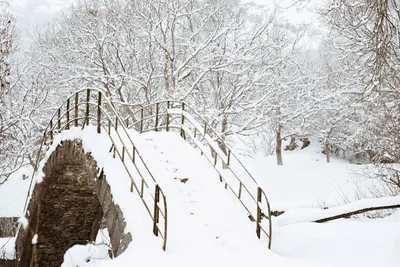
67, 208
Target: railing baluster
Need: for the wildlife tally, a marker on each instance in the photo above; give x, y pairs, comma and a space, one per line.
87, 106
67, 124
155, 128
141, 120
258, 222
165, 222
123, 154
229, 158
167, 126
142, 188
109, 127
59, 119
183, 122
51, 130
240, 190
76, 109
204, 134
99, 113
156, 210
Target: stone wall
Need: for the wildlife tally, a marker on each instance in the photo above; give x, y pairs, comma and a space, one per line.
67, 208
7, 263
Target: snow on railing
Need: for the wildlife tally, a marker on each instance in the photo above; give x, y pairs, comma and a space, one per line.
176, 115
89, 106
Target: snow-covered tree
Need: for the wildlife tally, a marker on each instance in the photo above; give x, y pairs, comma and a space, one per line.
10, 131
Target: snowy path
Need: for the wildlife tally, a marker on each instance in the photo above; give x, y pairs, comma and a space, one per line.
206, 223
208, 227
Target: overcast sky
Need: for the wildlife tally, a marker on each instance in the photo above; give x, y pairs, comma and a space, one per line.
32, 13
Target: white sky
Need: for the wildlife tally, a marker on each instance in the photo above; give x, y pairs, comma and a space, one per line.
32, 13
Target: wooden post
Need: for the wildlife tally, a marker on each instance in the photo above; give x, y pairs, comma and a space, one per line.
229, 158
204, 133
165, 222
51, 130
240, 189
133, 154
155, 128
167, 126
142, 188
59, 119
258, 221
183, 122
99, 113
76, 109
87, 106
141, 120
67, 124
156, 210
123, 154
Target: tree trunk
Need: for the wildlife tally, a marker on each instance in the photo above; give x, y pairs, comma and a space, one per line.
221, 143
327, 151
279, 160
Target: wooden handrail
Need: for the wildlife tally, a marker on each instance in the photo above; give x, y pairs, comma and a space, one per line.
184, 116
104, 116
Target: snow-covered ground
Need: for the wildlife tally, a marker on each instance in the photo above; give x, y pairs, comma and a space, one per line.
306, 180
207, 225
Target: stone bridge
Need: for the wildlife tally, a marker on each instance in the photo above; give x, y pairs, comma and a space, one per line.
68, 208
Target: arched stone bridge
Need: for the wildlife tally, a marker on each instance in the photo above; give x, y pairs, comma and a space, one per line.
74, 199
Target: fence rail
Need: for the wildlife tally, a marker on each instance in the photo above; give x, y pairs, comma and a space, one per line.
180, 117
91, 107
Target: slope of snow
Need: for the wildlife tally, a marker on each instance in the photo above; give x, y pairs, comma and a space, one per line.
307, 181
345, 243
203, 219
207, 226
311, 215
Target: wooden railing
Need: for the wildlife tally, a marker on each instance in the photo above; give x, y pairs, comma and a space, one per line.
178, 116
91, 107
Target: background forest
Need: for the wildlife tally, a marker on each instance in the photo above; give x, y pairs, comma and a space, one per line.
255, 76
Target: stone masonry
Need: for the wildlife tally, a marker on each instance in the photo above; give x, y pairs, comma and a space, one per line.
67, 208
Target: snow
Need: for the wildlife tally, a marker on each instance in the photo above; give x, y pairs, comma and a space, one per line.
307, 181
34, 239
310, 215
23, 221
203, 218
345, 243
13, 193
7, 248
208, 226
